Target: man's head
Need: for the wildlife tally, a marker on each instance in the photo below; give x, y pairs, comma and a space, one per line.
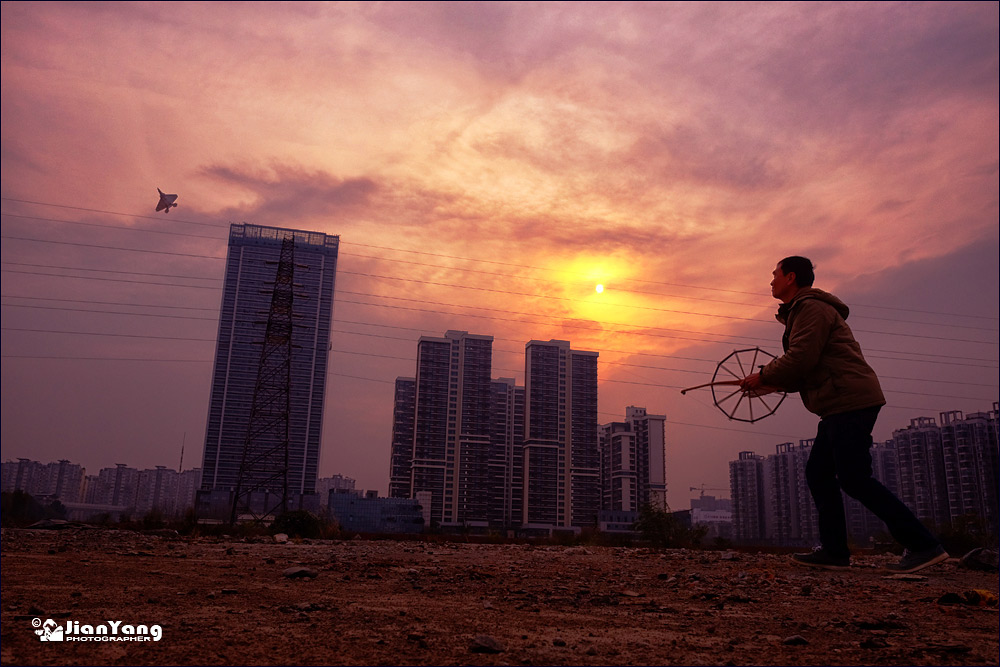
790, 275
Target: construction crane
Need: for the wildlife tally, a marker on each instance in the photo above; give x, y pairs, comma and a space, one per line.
703, 489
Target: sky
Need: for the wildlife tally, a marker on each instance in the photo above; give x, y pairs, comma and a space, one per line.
486, 166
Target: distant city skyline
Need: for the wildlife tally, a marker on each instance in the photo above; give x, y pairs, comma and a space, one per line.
945, 470
920, 425
121, 490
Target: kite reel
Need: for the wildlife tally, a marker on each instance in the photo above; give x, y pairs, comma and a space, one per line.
736, 404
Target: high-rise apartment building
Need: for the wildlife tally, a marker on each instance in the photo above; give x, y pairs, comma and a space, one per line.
251, 273
779, 509
157, 488
633, 462
465, 441
118, 487
922, 479
561, 453
949, 471
747, 489
791, 513
506, 476
862, 525
944, 473
450, 453
488, 466
969, 449
619, 477
188, 483
401, 451
63, 480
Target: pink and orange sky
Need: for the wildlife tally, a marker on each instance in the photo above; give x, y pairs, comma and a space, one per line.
486, 165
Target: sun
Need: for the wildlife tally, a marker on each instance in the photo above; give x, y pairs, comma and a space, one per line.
599, 289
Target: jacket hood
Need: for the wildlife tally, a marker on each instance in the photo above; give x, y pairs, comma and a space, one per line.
812, 293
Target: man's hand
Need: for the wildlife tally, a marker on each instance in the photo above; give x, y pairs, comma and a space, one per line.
752, 386
751, 382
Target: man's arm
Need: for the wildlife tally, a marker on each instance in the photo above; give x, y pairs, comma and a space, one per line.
806, 342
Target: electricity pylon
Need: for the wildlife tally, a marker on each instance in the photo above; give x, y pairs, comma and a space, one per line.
264, 467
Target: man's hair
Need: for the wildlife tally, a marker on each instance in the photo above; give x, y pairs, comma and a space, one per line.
801, 267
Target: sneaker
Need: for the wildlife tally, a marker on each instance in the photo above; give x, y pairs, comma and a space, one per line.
913, 561
819, 557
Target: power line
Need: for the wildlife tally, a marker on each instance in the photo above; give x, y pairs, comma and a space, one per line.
138, 359
383, 277
501, 350
115, 335
479, 260
408, 339
181, 221
109, 247
115, 227
127, 215
631, 330
134, 273
927, 354
467, 270
411, 359
651, 282
111, 280
619, 305
107, 303
441, 284
115, 312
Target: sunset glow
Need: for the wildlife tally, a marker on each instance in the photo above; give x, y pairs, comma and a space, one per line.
486, 165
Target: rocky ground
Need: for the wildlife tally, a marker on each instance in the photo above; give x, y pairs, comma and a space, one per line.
372, 603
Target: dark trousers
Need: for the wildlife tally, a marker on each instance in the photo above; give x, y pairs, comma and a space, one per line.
841, 459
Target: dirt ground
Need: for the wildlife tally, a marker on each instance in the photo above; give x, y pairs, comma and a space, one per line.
234, 602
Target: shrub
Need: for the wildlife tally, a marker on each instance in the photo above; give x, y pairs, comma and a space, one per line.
298, 523
665, 531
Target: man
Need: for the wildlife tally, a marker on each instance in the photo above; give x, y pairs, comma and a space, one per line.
823, 362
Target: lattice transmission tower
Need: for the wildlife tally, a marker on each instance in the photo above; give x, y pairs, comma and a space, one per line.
262, 485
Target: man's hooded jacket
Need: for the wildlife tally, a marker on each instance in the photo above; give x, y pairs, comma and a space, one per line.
822, 361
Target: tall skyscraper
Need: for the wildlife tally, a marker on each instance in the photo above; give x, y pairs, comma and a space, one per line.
561, 454
748, 492
489, 453
401, 452
457, 435
922, 480
450, 454
506, 476
969, 445
791, 513
251, 273
619, 477
633, 463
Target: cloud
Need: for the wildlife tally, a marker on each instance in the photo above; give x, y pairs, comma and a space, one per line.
284, 194
844, 67
708, 152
